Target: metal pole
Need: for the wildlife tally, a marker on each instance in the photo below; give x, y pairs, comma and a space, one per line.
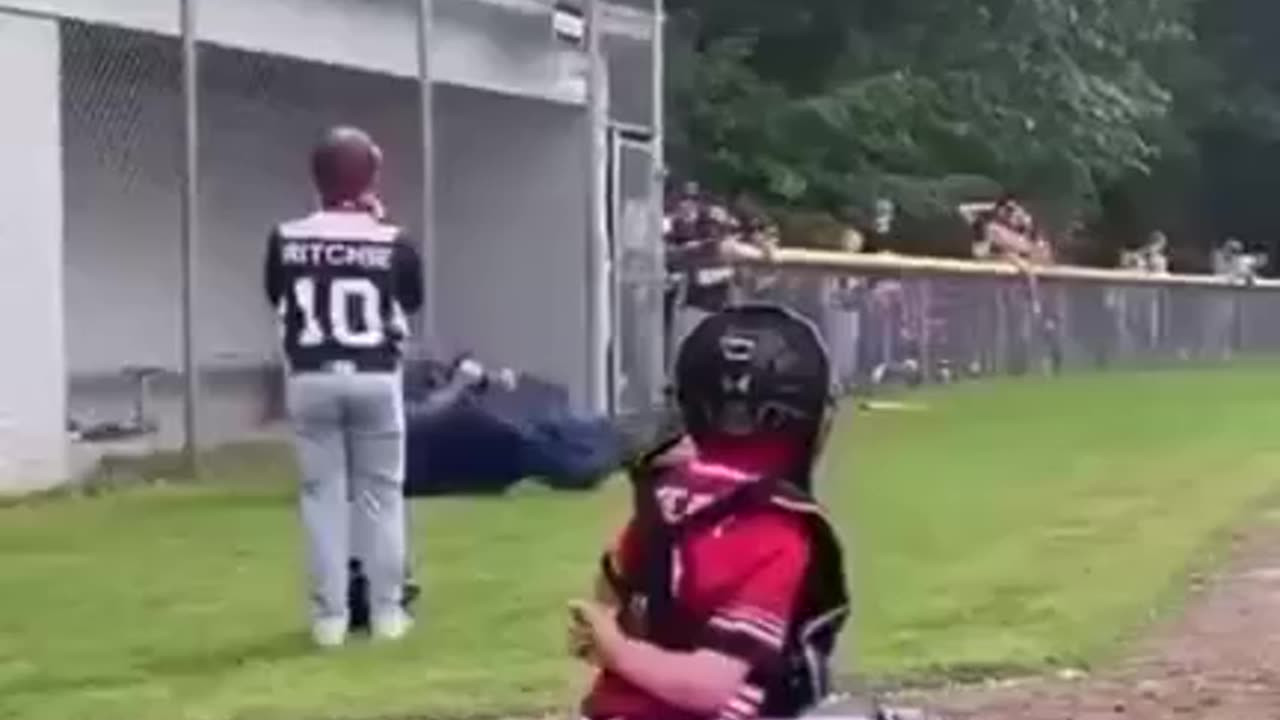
597, 122
190, 237
924, 296
658, 123
428, 323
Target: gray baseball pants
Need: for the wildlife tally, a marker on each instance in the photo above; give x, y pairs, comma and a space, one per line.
349, 433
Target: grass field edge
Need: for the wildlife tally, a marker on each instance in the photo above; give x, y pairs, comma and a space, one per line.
1207, 563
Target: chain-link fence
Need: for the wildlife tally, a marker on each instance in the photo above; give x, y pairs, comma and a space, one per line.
259, 110
484, 111
122, 163
259, 115
924, 322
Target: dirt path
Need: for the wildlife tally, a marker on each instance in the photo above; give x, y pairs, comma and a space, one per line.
1219, 661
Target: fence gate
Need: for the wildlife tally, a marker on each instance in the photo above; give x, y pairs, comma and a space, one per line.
638, 278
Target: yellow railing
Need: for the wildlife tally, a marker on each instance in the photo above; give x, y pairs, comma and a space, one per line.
887, 263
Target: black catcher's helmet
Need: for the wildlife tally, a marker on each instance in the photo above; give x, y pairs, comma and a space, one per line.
755, 370
345, 165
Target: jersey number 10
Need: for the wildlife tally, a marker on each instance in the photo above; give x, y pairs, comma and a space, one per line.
345, 296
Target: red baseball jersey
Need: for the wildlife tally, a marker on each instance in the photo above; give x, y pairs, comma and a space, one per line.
736, 580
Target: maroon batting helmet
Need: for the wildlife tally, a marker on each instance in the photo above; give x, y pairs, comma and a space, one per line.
345, 165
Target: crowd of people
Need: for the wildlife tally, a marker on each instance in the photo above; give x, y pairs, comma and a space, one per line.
871, 324
876, 325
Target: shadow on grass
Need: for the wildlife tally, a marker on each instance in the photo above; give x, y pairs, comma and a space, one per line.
196, 664
273, 649
232, 465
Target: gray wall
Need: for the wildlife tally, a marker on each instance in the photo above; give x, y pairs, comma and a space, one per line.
258, 119
477, 43
32, 390
510, 214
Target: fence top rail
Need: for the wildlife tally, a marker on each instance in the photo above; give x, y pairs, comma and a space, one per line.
888, 263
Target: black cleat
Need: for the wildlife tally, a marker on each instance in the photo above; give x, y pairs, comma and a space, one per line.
358, 600
361, 621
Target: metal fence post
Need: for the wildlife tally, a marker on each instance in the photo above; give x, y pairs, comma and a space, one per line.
1001, 360
426, 88
923, 330
596, 259
658, 123
190, 236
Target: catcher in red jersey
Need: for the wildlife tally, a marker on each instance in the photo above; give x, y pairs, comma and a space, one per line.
724, 594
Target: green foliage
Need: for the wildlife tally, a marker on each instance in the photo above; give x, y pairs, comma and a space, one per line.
827, 104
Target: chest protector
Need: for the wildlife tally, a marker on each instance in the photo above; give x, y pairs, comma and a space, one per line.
653, 611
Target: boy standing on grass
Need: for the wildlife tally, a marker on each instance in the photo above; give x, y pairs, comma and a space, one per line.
725, 592
342, 282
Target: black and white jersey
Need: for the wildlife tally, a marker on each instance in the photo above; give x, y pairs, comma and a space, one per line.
343, 285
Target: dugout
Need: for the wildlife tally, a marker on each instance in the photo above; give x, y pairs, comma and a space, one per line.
521, 262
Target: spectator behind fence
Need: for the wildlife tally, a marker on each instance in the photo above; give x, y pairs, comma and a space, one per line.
1006, 231
702, 234
1049, 306
1137, 310
865, 317
757, 232
700, 286
1231, 262
1001, 230
842, 316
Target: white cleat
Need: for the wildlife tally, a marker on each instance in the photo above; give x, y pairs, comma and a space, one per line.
392, 626
329, 633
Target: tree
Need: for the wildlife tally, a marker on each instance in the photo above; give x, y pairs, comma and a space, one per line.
1221, 157
826, 104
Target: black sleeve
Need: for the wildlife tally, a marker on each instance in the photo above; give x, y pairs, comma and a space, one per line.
874, 242
272, 272
978, 228
408, 271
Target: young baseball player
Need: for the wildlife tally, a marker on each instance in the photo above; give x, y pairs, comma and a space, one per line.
342, 282
724, 594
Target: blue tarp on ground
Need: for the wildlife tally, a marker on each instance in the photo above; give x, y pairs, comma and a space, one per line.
486, 442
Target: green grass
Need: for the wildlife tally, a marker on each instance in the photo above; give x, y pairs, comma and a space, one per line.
1008, 525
